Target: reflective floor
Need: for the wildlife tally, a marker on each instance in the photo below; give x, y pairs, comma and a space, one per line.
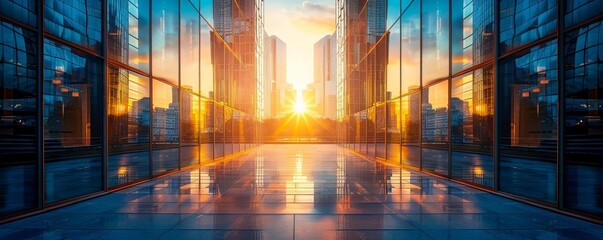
300, 192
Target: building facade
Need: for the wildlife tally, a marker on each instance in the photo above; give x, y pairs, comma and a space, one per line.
501, 95
325, 75
275, 76
97, 95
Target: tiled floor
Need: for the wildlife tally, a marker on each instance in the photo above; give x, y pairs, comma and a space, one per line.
300, 192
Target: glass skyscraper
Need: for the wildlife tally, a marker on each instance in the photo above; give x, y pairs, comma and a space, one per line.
97, 95
500, 95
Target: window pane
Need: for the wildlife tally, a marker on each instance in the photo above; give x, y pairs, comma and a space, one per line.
128, 126
471, 113
73, 119
393, 62
189, 47
394, 127
219, 130
472, 33
577, 11
410, 118
18, 122
435, 26
165, 40
380, 118
584, 119
411, 48
129, 33
528, 122
523, 22
166, 133
207, 130
21, 10
435, 128
207, 67
76, 21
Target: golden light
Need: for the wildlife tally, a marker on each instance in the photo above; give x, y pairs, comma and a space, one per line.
300, 107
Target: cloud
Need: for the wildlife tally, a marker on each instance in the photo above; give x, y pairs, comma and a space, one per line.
314, 18
319, 25
318, 8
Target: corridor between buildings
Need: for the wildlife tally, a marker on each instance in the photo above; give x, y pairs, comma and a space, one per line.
300, 191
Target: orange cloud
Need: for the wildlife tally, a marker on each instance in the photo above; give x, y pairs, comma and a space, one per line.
321, 25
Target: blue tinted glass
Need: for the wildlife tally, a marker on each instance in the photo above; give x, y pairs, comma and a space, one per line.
577, 11
165, 40
18, 111
472, 33
77, 21
584, 119
129, 32
411, 48
522, 22
72, 122
435, 26
24, 11
189, 47
528, 122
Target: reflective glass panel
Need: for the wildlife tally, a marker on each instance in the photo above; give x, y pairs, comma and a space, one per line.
435, 26
411, 48
129, 32
435, 128
128, 126
577, 11
76, 21
523, 22
165, 40
584, 119
73, 119
24, 11
18, 122
527, 104
166, 130
189, 47
471, 119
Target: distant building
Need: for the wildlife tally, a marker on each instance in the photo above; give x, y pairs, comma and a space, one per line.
275, 77
325, 76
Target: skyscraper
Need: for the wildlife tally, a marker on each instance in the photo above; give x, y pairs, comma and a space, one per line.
325, 76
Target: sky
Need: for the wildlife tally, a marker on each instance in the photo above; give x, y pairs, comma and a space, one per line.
299, 24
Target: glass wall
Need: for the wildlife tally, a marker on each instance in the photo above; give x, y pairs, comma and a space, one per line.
139, 105
484, 106
18, 118
528, 122
73, 120
583, 123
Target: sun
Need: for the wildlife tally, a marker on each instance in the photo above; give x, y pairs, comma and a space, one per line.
300, 107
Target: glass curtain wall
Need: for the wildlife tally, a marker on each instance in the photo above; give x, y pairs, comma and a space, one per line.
516, 109
122, 85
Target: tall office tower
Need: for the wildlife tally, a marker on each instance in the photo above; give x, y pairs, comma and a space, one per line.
268, 80
278, 75
105, 94
325, 74
512, 109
